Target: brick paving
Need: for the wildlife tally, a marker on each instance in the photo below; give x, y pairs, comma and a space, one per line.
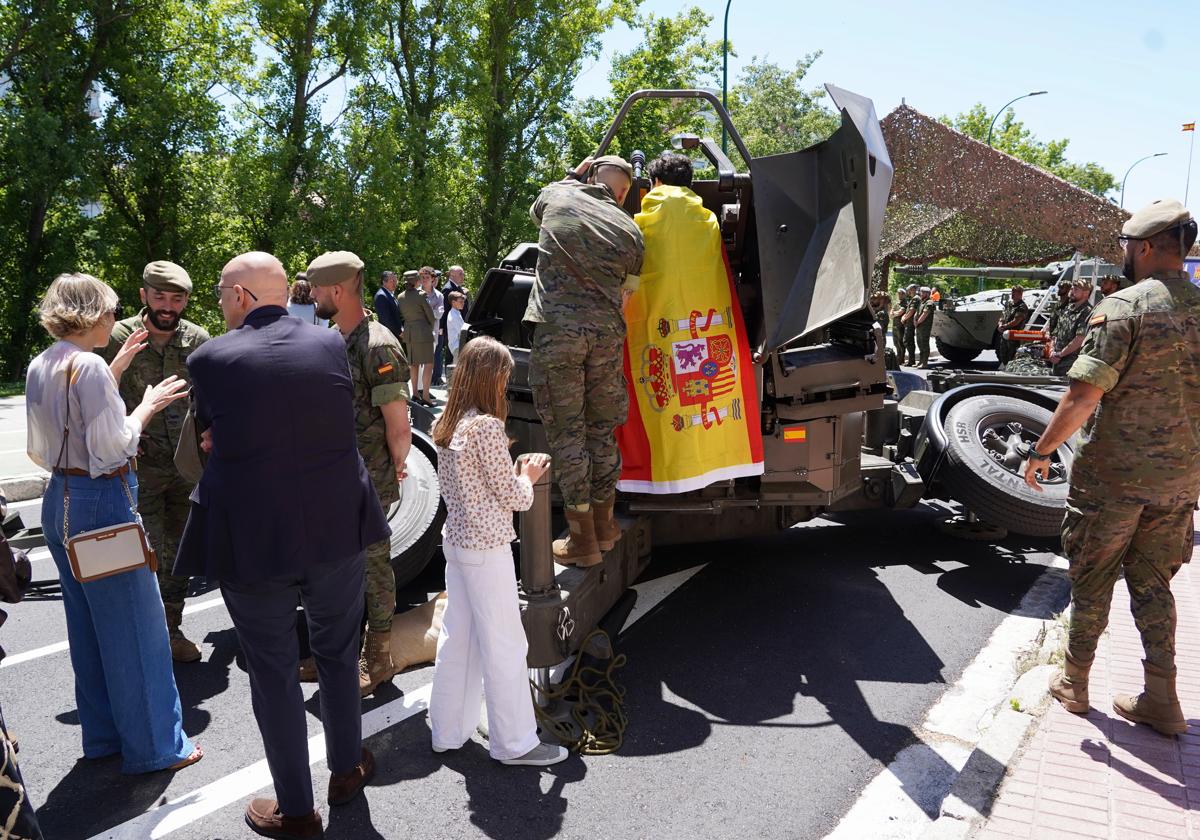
1099, 776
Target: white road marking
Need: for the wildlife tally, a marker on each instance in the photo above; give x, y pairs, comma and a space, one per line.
59, 647
240, 784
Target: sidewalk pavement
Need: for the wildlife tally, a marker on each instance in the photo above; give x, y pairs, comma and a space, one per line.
1100, 776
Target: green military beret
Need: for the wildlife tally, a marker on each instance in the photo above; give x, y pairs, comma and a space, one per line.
613, 160
1155, 218
333, 267
166, 277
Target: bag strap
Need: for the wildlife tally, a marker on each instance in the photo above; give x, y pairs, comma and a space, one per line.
62, 450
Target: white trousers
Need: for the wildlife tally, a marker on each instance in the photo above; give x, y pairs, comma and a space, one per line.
482, 650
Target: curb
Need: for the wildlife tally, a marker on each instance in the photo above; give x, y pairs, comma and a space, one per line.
22, 488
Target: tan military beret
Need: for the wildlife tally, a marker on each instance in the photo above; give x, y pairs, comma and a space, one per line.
1155, 218
166, 277
410, 275
333, 267
613, 160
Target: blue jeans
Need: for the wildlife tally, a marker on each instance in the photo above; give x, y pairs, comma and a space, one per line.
120, 653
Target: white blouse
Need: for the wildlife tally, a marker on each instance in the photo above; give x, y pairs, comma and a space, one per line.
102, 437
480, 485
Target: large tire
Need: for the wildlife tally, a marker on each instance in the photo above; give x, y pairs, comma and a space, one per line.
983, 471
956, 355
416, 520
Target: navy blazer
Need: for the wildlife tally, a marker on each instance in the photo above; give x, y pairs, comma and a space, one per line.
388, 312
284, 487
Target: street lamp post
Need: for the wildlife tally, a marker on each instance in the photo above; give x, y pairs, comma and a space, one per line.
1130, 169
1005, 108
725, 78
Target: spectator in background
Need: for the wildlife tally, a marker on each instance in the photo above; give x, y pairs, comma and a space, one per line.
454, 321
420, 324
455, 279
300, 302
438, 304
386, 308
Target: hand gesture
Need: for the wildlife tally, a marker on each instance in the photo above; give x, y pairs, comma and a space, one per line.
133, 345
158, 397
1033, 466
401, 472
534, 466
583, 167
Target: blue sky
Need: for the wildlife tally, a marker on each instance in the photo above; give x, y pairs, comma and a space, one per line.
1120, 86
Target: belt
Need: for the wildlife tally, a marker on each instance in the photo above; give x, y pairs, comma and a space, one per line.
119, 471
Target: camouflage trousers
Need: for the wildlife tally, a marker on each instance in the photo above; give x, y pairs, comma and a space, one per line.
1150, 543
381, 586
164, 505
578, 381
908, 348
923, 346
1008, 350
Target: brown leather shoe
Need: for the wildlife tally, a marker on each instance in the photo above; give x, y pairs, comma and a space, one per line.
344, 787
263, 817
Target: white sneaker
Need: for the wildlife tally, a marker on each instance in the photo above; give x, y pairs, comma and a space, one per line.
438, 749
543, 755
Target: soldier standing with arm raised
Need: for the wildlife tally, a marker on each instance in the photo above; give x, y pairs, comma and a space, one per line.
163, 497
1135, 390
589, 256
379, 371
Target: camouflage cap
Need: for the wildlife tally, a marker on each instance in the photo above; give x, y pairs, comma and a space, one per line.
1085, 282
334, 267
1155, 218
166, 277
613, 160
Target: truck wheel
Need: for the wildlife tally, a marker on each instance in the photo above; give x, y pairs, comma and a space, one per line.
956, 355
416, 520
983, 469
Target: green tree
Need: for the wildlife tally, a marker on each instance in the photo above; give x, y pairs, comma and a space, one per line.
1010, 135
774, 112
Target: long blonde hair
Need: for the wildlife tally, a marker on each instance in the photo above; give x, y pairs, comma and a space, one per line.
481, 372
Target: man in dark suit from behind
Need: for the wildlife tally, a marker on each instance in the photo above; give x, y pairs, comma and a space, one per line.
275, 397
386, 308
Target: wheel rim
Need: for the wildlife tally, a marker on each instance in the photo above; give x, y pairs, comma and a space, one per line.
1004, 441
417, 508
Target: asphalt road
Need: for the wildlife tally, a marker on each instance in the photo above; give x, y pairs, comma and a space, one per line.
763, 694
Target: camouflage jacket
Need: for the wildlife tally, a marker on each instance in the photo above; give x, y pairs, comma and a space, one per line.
1142, 445
1014, 309
149, 367
589, 249
1071, 322
380, 373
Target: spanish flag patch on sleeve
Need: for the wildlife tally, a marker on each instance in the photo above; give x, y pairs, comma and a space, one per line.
388, 368
1097, 320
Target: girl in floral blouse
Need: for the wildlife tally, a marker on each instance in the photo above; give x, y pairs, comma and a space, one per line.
482, 647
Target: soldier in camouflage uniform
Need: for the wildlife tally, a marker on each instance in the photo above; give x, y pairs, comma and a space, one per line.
908, 328
1135, 389
589, 257
922, 321
880, 309
163, 495
1070, 327
1016, 314
898, 328
380, 373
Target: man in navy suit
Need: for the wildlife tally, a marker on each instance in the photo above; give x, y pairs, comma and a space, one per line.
274, 395
386, 308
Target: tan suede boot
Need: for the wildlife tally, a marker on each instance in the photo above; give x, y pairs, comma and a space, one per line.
375, 665
182, 649
1070, 685
608, 531
308, 670
1157, 706
579, 548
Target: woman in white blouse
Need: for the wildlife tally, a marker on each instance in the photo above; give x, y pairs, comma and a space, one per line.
482, 646
120, 652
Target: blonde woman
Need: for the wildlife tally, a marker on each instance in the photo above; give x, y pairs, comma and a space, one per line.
482, 646
120, 652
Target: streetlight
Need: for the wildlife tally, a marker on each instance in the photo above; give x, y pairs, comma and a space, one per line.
725, 78
1130, 169
1005, 108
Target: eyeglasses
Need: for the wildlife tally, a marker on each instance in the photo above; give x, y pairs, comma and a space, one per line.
217, 292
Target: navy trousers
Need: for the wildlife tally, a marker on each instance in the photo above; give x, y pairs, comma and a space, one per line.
264, 614
439, 359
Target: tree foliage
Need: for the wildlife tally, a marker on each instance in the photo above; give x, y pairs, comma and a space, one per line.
774, 112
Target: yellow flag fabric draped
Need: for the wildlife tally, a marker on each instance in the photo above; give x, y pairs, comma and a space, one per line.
693, 397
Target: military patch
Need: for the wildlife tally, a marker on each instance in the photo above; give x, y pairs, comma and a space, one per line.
1097, 320
388, 368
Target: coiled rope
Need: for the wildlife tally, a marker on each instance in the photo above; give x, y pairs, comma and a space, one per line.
597, 712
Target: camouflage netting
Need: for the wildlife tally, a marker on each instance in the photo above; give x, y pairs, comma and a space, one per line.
954, 196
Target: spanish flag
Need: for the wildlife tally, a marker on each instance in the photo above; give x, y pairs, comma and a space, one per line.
693, 394
1189, 126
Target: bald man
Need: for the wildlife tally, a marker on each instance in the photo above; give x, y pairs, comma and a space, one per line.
283, 514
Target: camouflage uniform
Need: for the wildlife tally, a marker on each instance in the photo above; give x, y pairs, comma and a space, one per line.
897, 328
589, 250
924, 329
1072, 321
380, 373
909, 331
162, 492
1136, 476
1012, 309
880, 312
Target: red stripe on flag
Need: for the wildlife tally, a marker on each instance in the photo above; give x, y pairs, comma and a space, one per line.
631, 436
749, 378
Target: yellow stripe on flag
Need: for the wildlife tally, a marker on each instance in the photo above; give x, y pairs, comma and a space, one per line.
1189, 126
795, 435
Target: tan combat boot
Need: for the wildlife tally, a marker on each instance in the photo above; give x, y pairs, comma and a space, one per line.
182, 649
308, 669
579, 548
1070, 685
1157, 706
605, 524
375, 665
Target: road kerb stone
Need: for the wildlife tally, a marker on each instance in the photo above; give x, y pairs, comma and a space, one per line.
970, 797
22, 488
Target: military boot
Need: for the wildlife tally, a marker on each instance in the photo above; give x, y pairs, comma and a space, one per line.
579, 548
1070, 685
608, 531
182, 649
375, 664
1157, 706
